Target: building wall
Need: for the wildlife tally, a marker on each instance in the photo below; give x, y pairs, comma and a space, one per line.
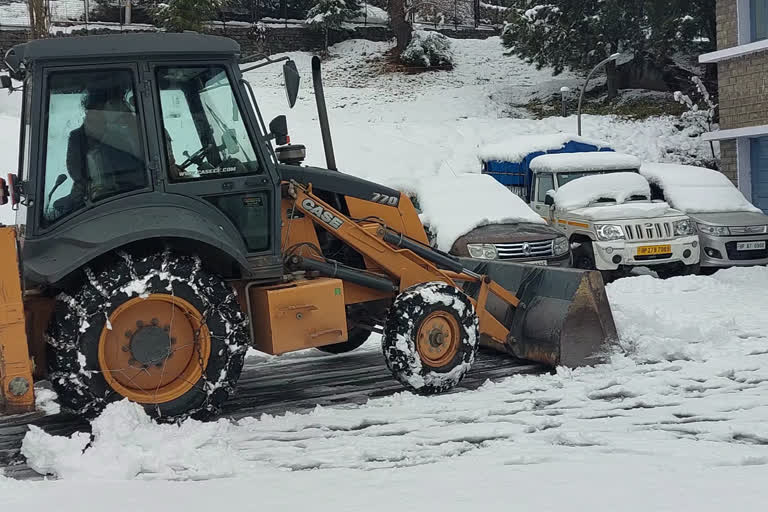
743, 91
743, 85
727, 24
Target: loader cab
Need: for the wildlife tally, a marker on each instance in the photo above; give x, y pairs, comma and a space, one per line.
143, 139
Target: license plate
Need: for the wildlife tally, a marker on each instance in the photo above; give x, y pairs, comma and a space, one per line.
538, 262
750, 246
651, 250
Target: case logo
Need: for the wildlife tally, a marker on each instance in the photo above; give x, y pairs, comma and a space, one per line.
322, 214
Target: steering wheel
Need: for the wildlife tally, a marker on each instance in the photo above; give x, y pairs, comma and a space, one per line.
196, 157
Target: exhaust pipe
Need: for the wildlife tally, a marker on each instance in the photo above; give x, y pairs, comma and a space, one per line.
322, 114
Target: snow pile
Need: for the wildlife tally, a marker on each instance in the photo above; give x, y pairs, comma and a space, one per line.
589, 161
455, 205
696, 189
686, 390
516, 148
428, 49
371, 14
615, 186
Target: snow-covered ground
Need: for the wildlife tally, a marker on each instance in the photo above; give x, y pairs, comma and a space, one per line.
675, 421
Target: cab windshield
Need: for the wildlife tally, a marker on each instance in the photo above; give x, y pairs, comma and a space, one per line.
205, 135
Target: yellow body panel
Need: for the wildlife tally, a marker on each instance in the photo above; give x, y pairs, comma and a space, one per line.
16, 385
299, 315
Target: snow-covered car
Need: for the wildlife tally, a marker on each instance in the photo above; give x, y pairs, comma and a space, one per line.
473, 215
603, 206
732, 231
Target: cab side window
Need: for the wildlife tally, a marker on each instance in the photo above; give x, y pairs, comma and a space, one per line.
93, 148
544, 183
205, 135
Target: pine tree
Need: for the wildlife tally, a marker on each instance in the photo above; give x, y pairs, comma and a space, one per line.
329, 15
577, 34
181, 15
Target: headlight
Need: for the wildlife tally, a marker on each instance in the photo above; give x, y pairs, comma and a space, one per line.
560, 246
712, 230
482, 251
609, 232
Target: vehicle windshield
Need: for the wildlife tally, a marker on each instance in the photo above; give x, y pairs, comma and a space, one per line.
204, 130
565, 177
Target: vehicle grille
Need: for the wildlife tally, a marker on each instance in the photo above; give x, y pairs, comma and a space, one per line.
747, 230
523, 250
649, 231
734, 254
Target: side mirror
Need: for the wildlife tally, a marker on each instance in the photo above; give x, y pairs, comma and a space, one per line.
3, 192
14, 189
278, 128
5, 82
549, 199
292, 79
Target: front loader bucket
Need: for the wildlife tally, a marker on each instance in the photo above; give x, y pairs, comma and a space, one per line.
563, 319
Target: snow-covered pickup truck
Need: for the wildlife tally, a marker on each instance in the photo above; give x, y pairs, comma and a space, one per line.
603, 206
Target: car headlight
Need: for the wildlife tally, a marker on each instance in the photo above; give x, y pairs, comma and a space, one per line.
482, 251
560, 246
713, 230
609, 232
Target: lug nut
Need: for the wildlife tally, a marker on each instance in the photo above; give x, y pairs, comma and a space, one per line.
155, 322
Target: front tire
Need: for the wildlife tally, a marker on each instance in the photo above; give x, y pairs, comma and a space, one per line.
160, 331
430, 338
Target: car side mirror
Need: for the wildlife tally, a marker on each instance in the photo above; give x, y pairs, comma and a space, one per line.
292, 80
278, 129
5, 82
14, 189
549, 199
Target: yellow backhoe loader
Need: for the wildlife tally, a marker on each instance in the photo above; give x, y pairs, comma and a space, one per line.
159, 233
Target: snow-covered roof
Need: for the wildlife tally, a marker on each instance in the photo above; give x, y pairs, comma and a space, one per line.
589, 161
518, 147
617, 186
696, 189
454, 206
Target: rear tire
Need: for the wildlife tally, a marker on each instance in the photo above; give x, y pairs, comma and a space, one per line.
356, 338
430, 338
182, 360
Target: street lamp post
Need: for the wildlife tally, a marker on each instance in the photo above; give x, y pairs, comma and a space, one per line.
563, 91
584, 88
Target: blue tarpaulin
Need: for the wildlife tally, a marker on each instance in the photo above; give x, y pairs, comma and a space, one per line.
518, 174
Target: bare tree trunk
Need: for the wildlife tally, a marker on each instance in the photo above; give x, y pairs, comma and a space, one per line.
612, 79
400, 25
38, 18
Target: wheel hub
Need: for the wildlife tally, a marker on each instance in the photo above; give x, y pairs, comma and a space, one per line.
438, 338
150, 345
154, 349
